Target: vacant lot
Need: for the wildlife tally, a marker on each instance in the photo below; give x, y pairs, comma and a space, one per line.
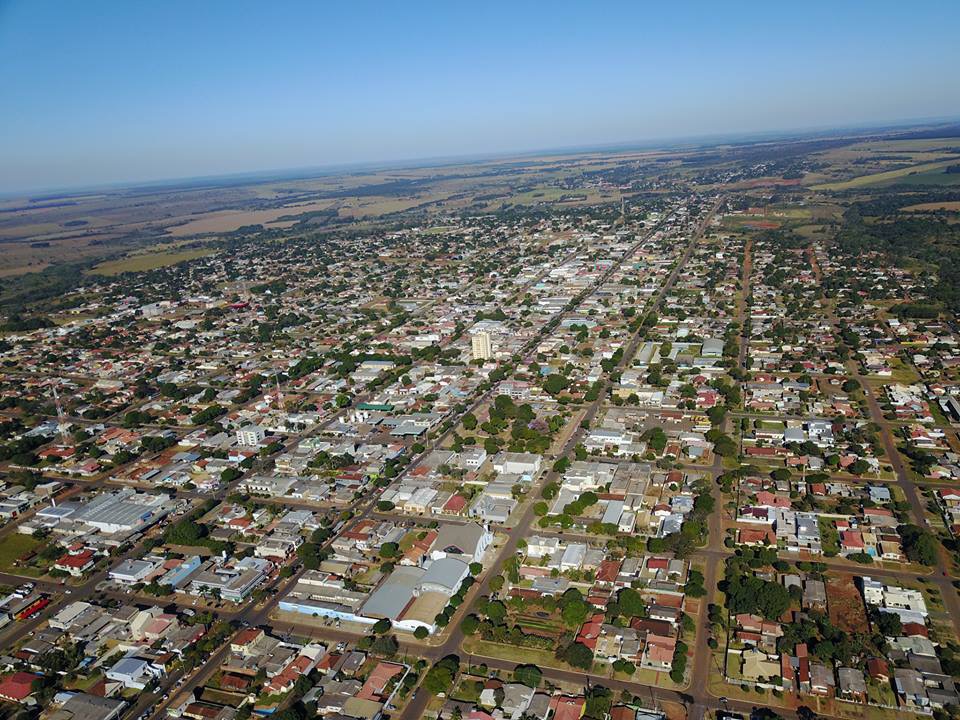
847, 611
14, 547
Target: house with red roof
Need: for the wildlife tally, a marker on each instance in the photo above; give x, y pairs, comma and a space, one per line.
753, 537
287, 678
851, 541
58, 452
245, 639
328, 662
234, 682
76, 562
658, 653
590, 631
913, 629
770, 500
609, 571
658, 563
878, 669
786, 671
377, 681
803, 668
568, 708
18, 686
456, 505
478, 715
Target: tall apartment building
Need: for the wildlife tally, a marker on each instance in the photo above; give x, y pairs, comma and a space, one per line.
482, 347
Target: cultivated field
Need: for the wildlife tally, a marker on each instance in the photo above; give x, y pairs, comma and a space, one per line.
229, 220
888, 176
934, 206
149, 261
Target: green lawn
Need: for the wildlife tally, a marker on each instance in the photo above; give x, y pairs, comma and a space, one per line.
533, 656
880, 694
86, 682
468, 691
13, 547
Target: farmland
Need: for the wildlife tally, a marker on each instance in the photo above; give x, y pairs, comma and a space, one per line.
945, 206
149, 261
900, 175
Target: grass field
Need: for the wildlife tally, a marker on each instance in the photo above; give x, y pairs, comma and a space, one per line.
933, 177
887, 146
933, 206
149, 261
899, 175
227, 220
14, 547
482, 648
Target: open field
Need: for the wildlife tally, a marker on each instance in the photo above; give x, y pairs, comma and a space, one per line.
888, 176
228, 220
149, 261
932, 177
13, 548
933, 206
925, 145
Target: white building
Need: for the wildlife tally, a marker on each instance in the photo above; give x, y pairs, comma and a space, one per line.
250, 435
482, 347
516, 463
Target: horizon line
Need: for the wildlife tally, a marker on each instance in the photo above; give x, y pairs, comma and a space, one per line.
308, 171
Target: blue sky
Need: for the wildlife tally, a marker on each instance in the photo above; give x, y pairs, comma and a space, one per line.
98, 92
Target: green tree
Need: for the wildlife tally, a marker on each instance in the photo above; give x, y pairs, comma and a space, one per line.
577, 655
439, 678
529, 675
574, 613
556, 384
496, 611
918, 545
630, 603
470, 624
